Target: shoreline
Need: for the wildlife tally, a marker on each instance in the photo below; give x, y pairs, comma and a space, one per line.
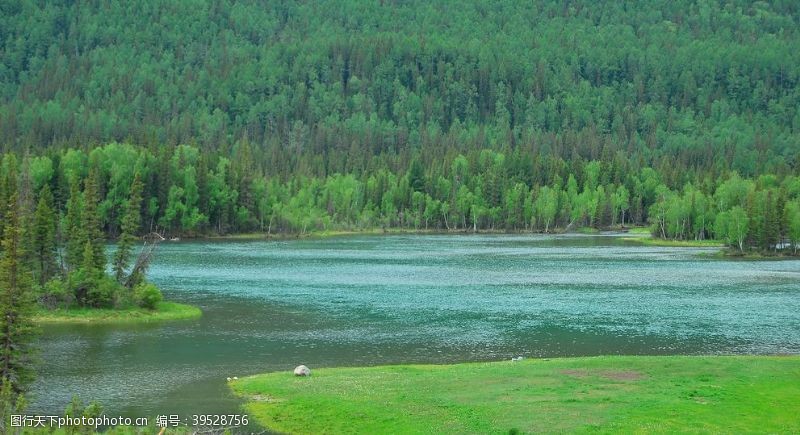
400, 231
636, 235
165, 311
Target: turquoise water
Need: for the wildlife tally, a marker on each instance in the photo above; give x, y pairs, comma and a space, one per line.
367, 300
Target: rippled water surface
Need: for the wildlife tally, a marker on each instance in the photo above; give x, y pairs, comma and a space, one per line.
425, 299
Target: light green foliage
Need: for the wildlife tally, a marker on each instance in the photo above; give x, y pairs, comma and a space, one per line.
41, 170
732, 226
546, 207
181, 210
147, 296
621, 203
618, 394
793, 219
76, 315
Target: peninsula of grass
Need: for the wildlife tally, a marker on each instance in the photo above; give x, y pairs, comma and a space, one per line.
623, 394
163, 311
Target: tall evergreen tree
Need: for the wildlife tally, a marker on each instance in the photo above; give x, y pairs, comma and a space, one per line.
91, 222
130, 226
75, 232
8, 184
17, 331
43, 240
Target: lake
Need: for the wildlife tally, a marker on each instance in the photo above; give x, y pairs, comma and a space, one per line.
368, 300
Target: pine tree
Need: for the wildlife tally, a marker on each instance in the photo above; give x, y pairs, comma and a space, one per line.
130, 226
88, 264
91, 219
17, 331
75, 234
43, 240
8, 184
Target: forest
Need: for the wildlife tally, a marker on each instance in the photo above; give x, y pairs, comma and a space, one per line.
123, 123
295, 117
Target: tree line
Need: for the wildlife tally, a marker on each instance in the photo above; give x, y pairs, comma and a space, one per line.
182, 191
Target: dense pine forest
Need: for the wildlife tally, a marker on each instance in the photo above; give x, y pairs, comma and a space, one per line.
294, 117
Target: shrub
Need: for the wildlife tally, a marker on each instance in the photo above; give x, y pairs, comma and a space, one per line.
147, 295
103, 293
55, 293
92, 289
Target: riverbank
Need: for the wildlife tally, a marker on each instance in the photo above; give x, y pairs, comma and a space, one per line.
163, 311
395, 231
652, 241
726, 394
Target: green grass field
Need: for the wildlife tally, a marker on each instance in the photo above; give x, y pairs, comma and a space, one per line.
164, 311
621, 394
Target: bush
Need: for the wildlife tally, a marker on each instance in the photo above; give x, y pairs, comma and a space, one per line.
103, 293
54, 294
92, 289
147, 295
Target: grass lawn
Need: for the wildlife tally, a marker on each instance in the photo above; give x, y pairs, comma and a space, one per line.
164, 311
639, 230
737, 394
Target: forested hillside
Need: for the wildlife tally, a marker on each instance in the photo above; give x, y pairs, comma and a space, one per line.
293, 116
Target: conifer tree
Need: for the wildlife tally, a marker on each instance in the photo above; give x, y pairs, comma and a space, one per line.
43, 240
8, 185
130, 225
17, 331
91, 219
88, 264
75, 234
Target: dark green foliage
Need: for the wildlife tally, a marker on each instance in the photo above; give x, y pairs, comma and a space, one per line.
74, 232
481, 115
131, 221
43, 239
91, 223
92, 289
11, 403
17, 331
319, 87
91, 286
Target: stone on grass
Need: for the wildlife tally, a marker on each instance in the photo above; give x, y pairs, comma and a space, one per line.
302, 370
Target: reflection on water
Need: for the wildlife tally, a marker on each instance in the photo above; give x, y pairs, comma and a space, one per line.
427, 299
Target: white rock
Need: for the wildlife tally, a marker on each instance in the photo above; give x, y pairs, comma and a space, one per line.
229, 379
302, 370
235, 378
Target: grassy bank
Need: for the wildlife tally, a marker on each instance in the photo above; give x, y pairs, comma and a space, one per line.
606, 394
163, 311
651, 241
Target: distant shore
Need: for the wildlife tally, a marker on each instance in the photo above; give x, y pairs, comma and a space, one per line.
636, 235
395, 230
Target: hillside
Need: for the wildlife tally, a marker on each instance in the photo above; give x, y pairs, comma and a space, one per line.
312, 116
